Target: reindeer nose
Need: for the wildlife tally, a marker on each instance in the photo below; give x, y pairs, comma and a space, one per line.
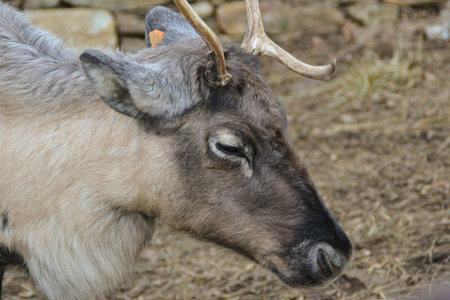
328, 262
332, 254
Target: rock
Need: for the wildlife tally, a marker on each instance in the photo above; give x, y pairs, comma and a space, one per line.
412, 2
227, 39
315, 20
313, 2
348, 31
279, 18
132, 44
444, 16
78, 27
429, 77
347, 2
275, 21
130, 24
438, 32
128, 5
31, 4
212, 23
373, 14
14, 3
231, 17
204, 9
383, 39
218, 2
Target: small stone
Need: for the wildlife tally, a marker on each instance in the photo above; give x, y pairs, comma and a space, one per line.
429, 77
132, 44
128, 5
432, 111
317, 42
438, 32
373, 14
347, 119
130, 24
316, 131
366, 252
391, 103
348, 31
31, 4
78, 27
204, 9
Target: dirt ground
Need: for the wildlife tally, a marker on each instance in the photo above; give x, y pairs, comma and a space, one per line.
376, 140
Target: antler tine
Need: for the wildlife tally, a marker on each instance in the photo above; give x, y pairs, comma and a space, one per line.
208, 36
258, 43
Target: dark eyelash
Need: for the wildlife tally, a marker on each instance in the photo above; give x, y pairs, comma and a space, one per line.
231, 150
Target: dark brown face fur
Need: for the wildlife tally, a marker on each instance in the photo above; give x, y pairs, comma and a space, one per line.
246, 189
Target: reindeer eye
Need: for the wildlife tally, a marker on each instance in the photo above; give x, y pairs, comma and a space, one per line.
230, 150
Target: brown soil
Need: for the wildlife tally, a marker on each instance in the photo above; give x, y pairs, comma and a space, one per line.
377, 143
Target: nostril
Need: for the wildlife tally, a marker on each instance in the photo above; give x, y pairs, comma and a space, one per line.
329, 262
324, 264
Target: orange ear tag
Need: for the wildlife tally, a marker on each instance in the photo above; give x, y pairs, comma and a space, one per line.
156, 38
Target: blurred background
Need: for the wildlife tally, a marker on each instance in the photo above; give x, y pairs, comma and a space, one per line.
376, 140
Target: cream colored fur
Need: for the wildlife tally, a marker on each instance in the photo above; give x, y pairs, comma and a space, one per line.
75, 175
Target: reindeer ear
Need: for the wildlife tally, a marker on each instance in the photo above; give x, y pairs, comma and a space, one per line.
102, 72
135, 89
173, 26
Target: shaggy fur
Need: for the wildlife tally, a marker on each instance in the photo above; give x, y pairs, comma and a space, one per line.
95, 148
66, 161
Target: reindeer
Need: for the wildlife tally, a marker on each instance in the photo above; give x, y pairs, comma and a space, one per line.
95, 148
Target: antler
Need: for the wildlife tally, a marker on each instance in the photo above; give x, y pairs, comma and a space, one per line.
257, 43
208, 36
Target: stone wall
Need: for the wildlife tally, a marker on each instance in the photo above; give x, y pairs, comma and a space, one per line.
120, 23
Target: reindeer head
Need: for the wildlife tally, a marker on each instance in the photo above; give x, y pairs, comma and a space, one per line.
239, 181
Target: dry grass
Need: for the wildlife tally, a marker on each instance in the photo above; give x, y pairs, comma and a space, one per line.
376, 140
380, 151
